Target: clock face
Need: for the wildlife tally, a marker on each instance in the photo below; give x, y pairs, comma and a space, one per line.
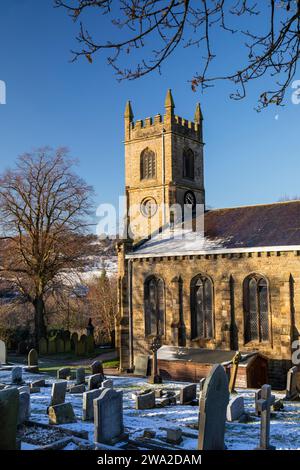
189, 199
149, 207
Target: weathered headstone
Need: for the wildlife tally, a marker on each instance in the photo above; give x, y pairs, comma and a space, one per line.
235, 409
87, 404
60, 345
292, 391
174, 436
213, 406
141, 365
33, 359
52, 346
145, 401
38, 383
80, 376
97, 368
58, 393
63, 373
24, 407
16, 375
95, 381
188, 394
68, 345
108, 417
61, 414
234, 371
74, 341
81, 346
264, 406
108, 383
43, 346
90, 344
9, 411
77, 389
3, 353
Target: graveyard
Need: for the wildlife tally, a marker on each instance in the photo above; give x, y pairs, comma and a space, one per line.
86, 408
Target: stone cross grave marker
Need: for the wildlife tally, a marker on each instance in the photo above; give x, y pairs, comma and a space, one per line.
108, 417
213, 406
234, 371
9, 411
58, 393
155, 378
2, 352
264, 406
292, 392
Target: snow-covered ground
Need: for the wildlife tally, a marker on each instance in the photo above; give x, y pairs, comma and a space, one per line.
285, 429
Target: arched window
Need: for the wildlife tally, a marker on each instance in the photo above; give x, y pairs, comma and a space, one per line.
188, 164
256, 309
148, 164
154, 306
202, 322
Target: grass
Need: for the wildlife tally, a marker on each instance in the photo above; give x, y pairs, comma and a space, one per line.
52, 369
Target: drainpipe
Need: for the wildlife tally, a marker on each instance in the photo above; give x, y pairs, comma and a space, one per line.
163, 178
131, 362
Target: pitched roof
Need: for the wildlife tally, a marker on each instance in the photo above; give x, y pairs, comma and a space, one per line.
237, 228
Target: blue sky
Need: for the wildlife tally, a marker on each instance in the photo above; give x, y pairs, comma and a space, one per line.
250, 158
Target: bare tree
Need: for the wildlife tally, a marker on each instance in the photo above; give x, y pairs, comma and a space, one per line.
44, 209
270, 31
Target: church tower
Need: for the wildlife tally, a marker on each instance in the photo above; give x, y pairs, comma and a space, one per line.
163, 166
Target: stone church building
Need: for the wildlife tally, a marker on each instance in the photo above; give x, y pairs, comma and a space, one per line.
235, 287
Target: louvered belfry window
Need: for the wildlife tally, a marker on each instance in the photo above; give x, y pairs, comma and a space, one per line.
154, 306
202, 323
188, 164
148, 164
256, 309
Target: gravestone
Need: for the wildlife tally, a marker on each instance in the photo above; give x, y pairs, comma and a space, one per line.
33, 359
264, 406
77, 389
68, 345
9, 411
174, 436
97, 368
95, 381
38, 383
88, 405
60, 345
63, 373
24, 388
155, 378
108, 383
74, 341
52, 346
188, 394
90, 344
235, 409
43, 346
108, 417
141, 365
61, 414
16, 375
292, 391
58, 393
3, 353
145, 401
24, 407
81, 346
213, 406
80, 376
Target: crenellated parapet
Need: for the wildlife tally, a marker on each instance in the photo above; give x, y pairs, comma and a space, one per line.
169, 122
